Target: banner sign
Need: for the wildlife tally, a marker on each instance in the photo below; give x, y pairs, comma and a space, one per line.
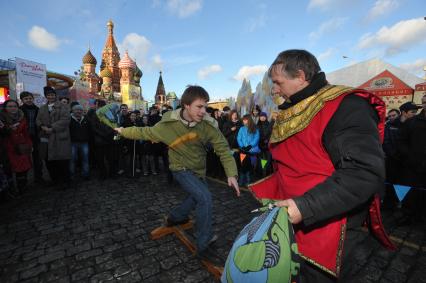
31, 76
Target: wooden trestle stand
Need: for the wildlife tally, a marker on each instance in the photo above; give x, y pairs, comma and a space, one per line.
179, 231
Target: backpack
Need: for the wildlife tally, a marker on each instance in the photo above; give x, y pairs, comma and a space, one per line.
264, 251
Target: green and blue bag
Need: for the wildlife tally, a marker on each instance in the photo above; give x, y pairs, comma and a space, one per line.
264, 251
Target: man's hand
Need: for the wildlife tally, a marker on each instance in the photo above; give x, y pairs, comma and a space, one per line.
14, 126
232, 182
118, 130
294, 214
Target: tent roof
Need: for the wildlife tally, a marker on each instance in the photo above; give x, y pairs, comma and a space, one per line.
357, 74
385, 81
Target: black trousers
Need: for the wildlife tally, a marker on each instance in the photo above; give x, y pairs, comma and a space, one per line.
104, 156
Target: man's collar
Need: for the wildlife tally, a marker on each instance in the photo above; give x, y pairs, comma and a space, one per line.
318, 82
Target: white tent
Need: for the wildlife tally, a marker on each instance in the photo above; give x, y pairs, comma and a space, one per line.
357, 74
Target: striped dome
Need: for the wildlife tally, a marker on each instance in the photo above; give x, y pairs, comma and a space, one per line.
89, 58
106, 73
127, 62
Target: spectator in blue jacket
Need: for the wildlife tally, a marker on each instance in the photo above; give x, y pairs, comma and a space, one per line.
248, 142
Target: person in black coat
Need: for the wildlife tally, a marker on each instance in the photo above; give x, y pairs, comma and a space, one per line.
265, 130
412, 149
157, 149
80, 136
134, 147
30, 111
230, 131
103, 139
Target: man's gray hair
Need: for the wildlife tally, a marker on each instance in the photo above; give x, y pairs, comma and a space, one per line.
295, 60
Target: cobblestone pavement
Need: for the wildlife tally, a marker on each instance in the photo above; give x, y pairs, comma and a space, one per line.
99, 231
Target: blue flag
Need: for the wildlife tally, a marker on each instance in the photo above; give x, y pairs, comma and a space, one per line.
401, 191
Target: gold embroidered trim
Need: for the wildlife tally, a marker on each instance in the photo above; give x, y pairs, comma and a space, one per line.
338, 255
296, 118
255, 183
340, 249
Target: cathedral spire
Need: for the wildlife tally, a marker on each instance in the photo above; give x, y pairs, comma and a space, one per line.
110, 26
111, 57
160, 94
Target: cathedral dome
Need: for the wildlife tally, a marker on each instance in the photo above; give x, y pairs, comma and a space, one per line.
106, 73
171, 96
89, 58
138, 72
127, 62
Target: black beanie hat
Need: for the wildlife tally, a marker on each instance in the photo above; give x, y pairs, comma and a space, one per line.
48, 89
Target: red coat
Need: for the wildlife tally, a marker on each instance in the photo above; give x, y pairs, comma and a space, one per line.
18, 162
302, 163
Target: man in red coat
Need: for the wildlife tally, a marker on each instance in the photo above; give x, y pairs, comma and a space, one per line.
326, 144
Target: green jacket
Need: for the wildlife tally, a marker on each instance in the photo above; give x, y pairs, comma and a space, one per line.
187, 145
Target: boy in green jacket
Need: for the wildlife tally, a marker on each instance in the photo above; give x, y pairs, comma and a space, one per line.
187, 131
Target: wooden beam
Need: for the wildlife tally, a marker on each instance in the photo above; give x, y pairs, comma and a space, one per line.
179, 232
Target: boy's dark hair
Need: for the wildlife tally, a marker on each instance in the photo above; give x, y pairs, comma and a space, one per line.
25, 94
192, 93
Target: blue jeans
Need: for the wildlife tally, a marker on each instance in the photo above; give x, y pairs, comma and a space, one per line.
199, 198
80, 149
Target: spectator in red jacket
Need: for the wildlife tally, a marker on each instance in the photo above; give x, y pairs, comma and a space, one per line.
17, 141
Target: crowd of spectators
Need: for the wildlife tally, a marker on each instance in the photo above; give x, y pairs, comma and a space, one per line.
405, 150
63, 144
73, 145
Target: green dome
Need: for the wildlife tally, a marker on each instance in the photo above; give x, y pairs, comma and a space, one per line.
171, 95
106, 73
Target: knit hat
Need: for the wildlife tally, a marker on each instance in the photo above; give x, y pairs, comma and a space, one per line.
263, 114
407, 106
77, 107
48, 89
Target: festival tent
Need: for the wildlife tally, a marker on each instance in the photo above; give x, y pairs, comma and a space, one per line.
357, 74
419, 92
390, 89
393, 84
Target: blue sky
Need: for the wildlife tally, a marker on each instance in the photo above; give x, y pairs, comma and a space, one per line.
215, 43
